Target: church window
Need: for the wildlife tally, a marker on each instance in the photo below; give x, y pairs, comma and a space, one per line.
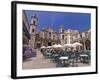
62, 30
53, 36
49, 34
63, 37
33, 22
32, 30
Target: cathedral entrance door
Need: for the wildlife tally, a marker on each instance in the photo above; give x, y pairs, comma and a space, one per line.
49, 43
38, 45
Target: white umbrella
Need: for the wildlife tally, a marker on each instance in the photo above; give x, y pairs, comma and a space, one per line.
68, 45
43, 47
54, 45
77, 44
49, 46
60, 46
57, 46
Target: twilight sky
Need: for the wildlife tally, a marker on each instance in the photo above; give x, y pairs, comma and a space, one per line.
48, 19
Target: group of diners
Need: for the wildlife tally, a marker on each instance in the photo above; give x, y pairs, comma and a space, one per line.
67, 58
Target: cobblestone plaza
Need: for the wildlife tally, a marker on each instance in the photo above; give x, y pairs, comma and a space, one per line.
49, 37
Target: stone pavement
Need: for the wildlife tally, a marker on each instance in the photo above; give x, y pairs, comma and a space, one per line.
38, 62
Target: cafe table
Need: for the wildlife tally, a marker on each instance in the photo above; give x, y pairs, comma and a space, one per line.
83, 57
64, 59
48, 53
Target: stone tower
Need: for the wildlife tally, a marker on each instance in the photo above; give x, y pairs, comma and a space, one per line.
33, 26
62, 34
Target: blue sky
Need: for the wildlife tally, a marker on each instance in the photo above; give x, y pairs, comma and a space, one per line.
48, 19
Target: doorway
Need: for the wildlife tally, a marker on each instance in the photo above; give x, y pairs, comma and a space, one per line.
49, 43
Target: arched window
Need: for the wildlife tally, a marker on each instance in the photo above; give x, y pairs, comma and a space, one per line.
62, 30
33, 22
49, 34
88, 45
63, 37
53, 36
32, 30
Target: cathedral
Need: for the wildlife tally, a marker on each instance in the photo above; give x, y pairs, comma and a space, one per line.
48, 37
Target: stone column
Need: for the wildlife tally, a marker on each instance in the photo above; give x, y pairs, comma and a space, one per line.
84, 45
68, 38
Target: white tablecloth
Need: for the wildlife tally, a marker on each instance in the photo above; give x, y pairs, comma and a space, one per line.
64, 57
83, 55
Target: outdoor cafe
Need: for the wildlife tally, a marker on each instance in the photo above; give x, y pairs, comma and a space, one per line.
66, 55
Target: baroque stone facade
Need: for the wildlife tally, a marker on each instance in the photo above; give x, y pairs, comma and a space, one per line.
48, 37
68, 36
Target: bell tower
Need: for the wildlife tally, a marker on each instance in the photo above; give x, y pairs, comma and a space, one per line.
62, 37
33, 26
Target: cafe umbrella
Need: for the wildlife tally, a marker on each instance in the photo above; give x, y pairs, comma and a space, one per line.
77, 44
43, 47
57, 46
69, 45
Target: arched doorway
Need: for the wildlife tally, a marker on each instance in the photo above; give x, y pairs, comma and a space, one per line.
82, 47
88, 44
38, 45
49, 43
